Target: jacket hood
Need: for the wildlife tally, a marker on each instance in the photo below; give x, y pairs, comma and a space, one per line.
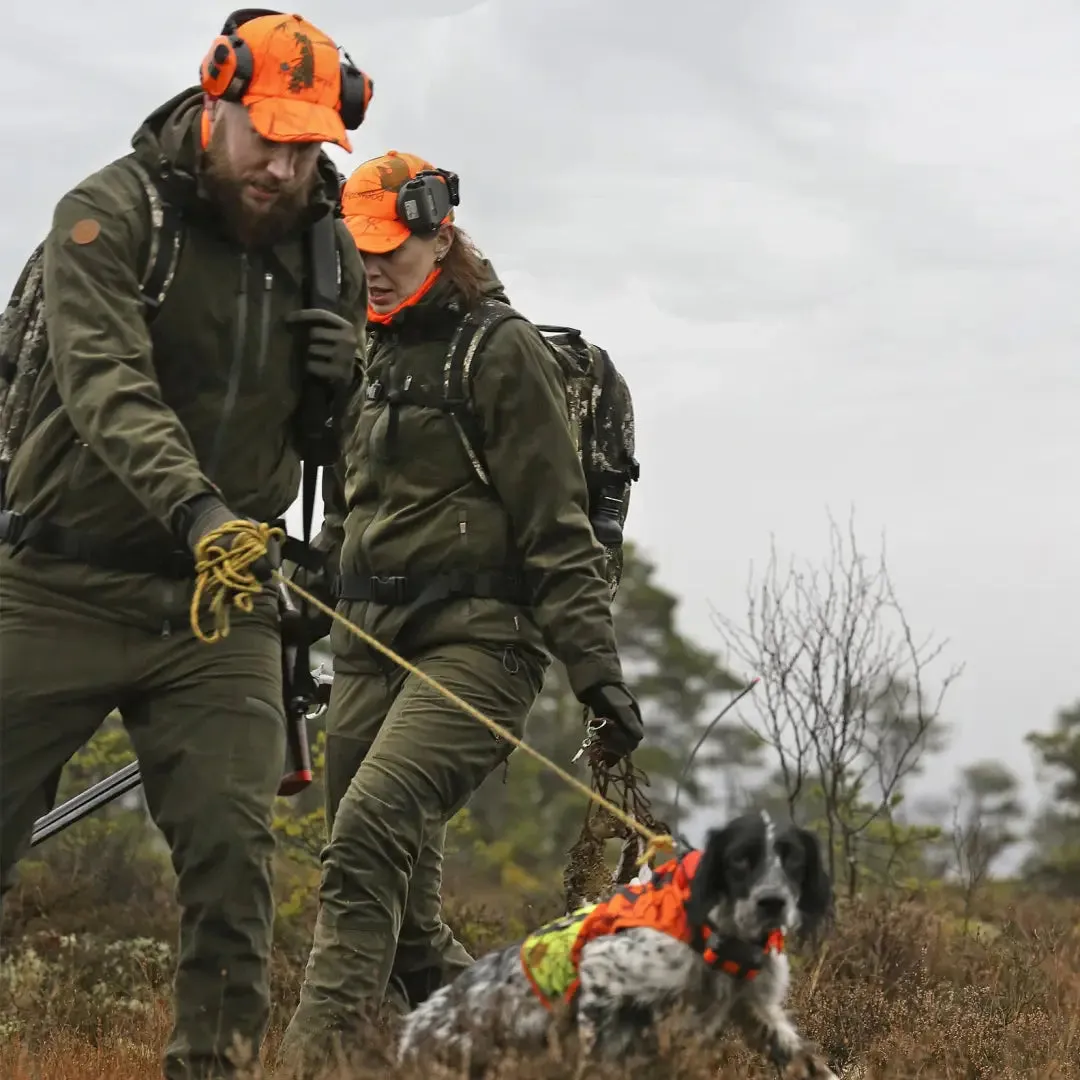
493, 288
168, 143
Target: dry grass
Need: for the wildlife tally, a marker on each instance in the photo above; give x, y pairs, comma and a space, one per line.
898, 988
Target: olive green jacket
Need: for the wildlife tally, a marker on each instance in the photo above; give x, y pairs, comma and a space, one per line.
130, 419
410, 503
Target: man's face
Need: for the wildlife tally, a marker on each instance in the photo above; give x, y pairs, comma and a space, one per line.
262, 187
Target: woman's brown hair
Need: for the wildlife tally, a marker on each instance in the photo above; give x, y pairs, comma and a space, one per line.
464, 266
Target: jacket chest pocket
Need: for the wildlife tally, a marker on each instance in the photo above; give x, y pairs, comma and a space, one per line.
417, 436
238, 349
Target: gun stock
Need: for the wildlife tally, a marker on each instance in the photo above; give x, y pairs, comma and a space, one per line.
301, 693
299, 775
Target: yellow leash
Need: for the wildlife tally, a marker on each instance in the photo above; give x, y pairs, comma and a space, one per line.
223, 575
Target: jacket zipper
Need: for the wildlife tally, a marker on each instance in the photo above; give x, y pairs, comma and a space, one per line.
236, 369
264, 322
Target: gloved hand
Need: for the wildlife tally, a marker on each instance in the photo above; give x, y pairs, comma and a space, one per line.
322, 585
207, 513
623, 730
332, 343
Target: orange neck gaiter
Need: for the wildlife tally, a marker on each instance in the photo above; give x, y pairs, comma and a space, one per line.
383, 318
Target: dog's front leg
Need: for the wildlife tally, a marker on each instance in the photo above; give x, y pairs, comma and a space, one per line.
611, 1029
768, 1029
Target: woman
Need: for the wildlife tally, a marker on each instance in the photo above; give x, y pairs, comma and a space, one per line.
434, 563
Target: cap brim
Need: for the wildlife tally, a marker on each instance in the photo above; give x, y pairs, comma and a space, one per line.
283, 119
376, 236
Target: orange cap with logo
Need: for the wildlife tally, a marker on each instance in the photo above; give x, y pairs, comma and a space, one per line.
289, 76
369, 201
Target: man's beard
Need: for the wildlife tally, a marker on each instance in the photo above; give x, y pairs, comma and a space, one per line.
252, 228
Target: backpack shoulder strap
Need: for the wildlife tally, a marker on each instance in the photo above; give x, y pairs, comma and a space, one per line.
166, 236
464, 347
22, 324
342, 238
324, 263
323, 291
466, 343
319, 441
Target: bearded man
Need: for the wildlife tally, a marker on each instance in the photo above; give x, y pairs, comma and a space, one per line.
180, 341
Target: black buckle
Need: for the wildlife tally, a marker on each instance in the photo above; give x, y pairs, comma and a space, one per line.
12, 524
389, 590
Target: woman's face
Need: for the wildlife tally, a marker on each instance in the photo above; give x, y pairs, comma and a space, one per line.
396, 275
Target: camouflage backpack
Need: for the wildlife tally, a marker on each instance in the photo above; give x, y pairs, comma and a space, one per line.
601, 415
24, 344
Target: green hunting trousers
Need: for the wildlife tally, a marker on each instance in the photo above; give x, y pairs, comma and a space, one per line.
207, 724
401, 760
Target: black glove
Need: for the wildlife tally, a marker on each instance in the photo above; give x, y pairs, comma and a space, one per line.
207, 513
321, 584
623, 730
332, 343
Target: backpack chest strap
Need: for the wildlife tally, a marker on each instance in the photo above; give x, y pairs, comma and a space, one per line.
408, 393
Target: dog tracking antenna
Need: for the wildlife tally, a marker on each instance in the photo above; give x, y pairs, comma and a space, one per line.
693, 753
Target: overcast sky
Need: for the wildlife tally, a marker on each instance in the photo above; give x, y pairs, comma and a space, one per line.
834, 248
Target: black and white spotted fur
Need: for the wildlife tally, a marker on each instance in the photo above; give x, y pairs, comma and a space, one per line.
752, 879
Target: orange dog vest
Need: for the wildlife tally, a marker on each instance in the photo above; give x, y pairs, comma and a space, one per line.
550, 956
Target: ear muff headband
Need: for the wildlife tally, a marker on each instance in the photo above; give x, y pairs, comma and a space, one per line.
228, 66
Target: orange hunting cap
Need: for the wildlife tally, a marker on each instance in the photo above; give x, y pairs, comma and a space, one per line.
286, 72
369, 200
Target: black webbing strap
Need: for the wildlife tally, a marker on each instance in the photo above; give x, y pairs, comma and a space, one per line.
51, 539
73, 545
419, 591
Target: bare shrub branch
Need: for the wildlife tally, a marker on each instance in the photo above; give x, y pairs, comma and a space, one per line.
845, 704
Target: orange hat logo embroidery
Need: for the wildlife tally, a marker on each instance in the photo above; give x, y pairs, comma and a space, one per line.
393, 174
302, 73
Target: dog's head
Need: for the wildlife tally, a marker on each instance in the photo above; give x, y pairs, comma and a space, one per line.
755, 877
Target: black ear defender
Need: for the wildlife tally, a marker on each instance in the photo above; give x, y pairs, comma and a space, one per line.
226, 71
356, 93
424, 201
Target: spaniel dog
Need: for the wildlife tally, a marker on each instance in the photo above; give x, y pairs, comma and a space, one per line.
713, 954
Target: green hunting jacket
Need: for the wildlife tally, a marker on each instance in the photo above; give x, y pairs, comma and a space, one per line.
409, 501
130, 419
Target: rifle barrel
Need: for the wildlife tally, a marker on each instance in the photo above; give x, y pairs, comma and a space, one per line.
128, 778
86, 802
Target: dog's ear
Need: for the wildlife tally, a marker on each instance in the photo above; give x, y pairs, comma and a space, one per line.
815, 891
710, 882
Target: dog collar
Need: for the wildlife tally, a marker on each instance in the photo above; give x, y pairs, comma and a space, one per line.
737, 958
